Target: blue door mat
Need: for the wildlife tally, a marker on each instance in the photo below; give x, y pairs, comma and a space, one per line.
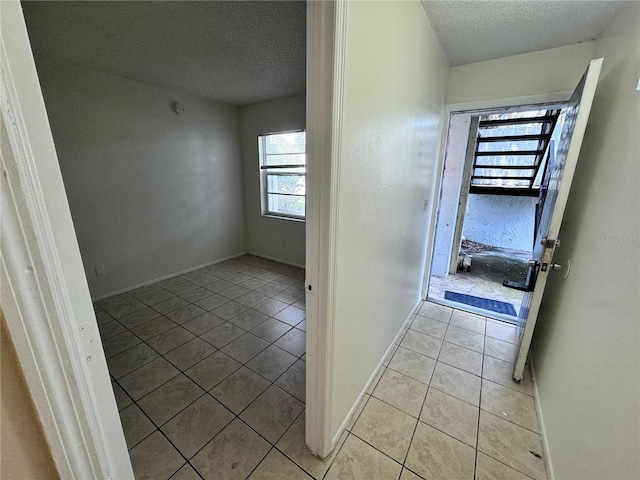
479, 302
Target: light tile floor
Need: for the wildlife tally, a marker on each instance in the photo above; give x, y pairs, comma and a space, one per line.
208, 369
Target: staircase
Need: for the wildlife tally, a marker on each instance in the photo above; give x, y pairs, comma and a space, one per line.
509, 157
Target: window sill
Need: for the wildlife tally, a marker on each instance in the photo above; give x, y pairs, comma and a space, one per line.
281, 217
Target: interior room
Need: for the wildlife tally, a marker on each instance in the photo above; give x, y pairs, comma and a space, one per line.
162, 134
162, 142
167, 314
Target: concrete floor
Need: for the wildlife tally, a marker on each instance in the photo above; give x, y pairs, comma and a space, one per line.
488, 269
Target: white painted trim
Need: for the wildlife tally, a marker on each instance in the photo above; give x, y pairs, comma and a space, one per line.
435, 204
181, 272
396, 342
532, 100
80, 423
463, 195
546, 452
331, 248
326, 37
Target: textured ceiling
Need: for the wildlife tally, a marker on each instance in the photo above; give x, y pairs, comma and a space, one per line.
239, 52
473, 31
244, 52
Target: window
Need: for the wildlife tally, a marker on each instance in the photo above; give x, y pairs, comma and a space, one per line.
282, 174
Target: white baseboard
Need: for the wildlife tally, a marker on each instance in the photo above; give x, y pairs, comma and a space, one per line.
286, 262
546, 454
164, 277
396, 341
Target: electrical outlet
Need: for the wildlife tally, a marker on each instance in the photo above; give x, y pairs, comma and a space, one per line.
99, 270
284, 242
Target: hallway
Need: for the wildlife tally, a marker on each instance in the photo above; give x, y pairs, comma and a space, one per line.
208, 370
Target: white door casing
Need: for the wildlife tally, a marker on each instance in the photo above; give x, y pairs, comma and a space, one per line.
463, 201
326, 33
43, 290
555, 201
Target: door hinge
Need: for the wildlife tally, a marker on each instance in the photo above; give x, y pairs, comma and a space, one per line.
549, 249
549, 243
90, 338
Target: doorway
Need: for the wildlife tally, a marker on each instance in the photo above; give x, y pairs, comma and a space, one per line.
170, 168
493, 174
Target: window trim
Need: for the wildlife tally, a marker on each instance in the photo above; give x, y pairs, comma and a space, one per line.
264, 172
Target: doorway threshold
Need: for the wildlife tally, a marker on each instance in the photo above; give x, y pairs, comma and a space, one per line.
471, 309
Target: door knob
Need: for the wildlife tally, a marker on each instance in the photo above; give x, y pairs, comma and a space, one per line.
555, 267
532, 263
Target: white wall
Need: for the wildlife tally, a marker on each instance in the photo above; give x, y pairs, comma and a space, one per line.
152, 193
394, 88
586, 347
450, 193
537, 73
270, 237
501, 221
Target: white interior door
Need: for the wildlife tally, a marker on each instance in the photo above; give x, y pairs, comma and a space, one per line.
553, 203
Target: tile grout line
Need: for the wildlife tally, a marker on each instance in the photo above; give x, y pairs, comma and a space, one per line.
206, 391
482, 380
475, 462
158, 429
195, 336
272, 383
402, 464
425, 400
476, 449
199, 361
283, 452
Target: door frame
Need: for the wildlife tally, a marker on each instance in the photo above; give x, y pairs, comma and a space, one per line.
463, 195
64, 365
466, 107
44, 293
326, 44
